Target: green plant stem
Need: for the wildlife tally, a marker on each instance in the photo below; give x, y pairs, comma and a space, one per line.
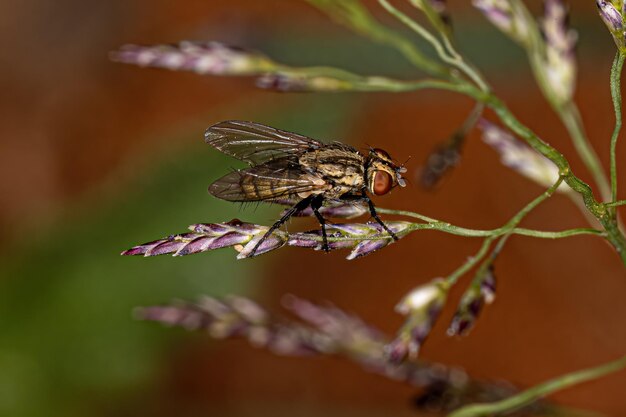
570, 116
455, 59
471, 261
537, 392
434, 224
348, 81
506, 231
616, 203
566, 109
614, 235
460, 231
616, 94
352, 14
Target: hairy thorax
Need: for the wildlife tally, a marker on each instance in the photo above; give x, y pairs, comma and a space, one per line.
340, 167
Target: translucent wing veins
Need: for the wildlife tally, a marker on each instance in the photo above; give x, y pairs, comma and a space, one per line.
256, 143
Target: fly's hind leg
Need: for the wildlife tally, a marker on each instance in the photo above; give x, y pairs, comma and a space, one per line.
301, 205
316, 203
374, 215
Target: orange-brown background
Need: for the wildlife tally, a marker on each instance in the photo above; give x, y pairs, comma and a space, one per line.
80, 137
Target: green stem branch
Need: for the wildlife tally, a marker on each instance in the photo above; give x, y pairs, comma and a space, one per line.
570, 116
352, 14
616, 94
537, 392
455, 59
616, 203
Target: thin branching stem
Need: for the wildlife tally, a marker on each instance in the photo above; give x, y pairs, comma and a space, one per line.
506, 231
616, 94
616, 203
566, 110
542, 390
461, 231
454, 59
471, 261
352, 14
570, 117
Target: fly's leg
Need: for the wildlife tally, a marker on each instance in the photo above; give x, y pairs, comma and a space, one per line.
315, 206
301, 205
374, 215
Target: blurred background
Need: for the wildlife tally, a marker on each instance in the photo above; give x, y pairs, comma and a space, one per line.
96, 157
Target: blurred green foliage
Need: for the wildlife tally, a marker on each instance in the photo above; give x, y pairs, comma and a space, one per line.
67, 334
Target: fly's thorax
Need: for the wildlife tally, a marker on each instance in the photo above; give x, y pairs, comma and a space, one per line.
321, 186
336, 165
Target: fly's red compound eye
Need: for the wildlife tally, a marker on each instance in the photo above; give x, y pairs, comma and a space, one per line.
382, 183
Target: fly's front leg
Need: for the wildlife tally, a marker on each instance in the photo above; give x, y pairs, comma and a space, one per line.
315, 206
374, 215
301, 205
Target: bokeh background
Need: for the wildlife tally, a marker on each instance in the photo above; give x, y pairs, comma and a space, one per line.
96, 157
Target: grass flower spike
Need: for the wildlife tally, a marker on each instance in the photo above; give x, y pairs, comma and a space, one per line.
482, 291
509, 17
521, 158
612, 13
422, 306
212, 58
362, 238
559, 61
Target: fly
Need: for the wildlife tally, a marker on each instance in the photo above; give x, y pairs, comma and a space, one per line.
289, 166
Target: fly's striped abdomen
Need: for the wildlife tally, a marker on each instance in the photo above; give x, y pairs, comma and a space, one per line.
262, 188
271, 181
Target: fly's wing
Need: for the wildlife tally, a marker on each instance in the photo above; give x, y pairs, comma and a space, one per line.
271, 181
255, 143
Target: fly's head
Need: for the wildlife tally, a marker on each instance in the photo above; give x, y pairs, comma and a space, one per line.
383, 173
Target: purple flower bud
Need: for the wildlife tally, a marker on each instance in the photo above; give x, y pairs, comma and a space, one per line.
197, 245
282, 82
441, 8
248, 309
368, 246
204, 237
344, 211
481, 292
614, 20
422, 306
520, 157
355, 229
301, 82
509, 17
141, 249
174, 315
211, 58
348, 210
164, 248
611, 16
337, 325
313, 240
497, 12
305, 240
269, 244
559, 66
